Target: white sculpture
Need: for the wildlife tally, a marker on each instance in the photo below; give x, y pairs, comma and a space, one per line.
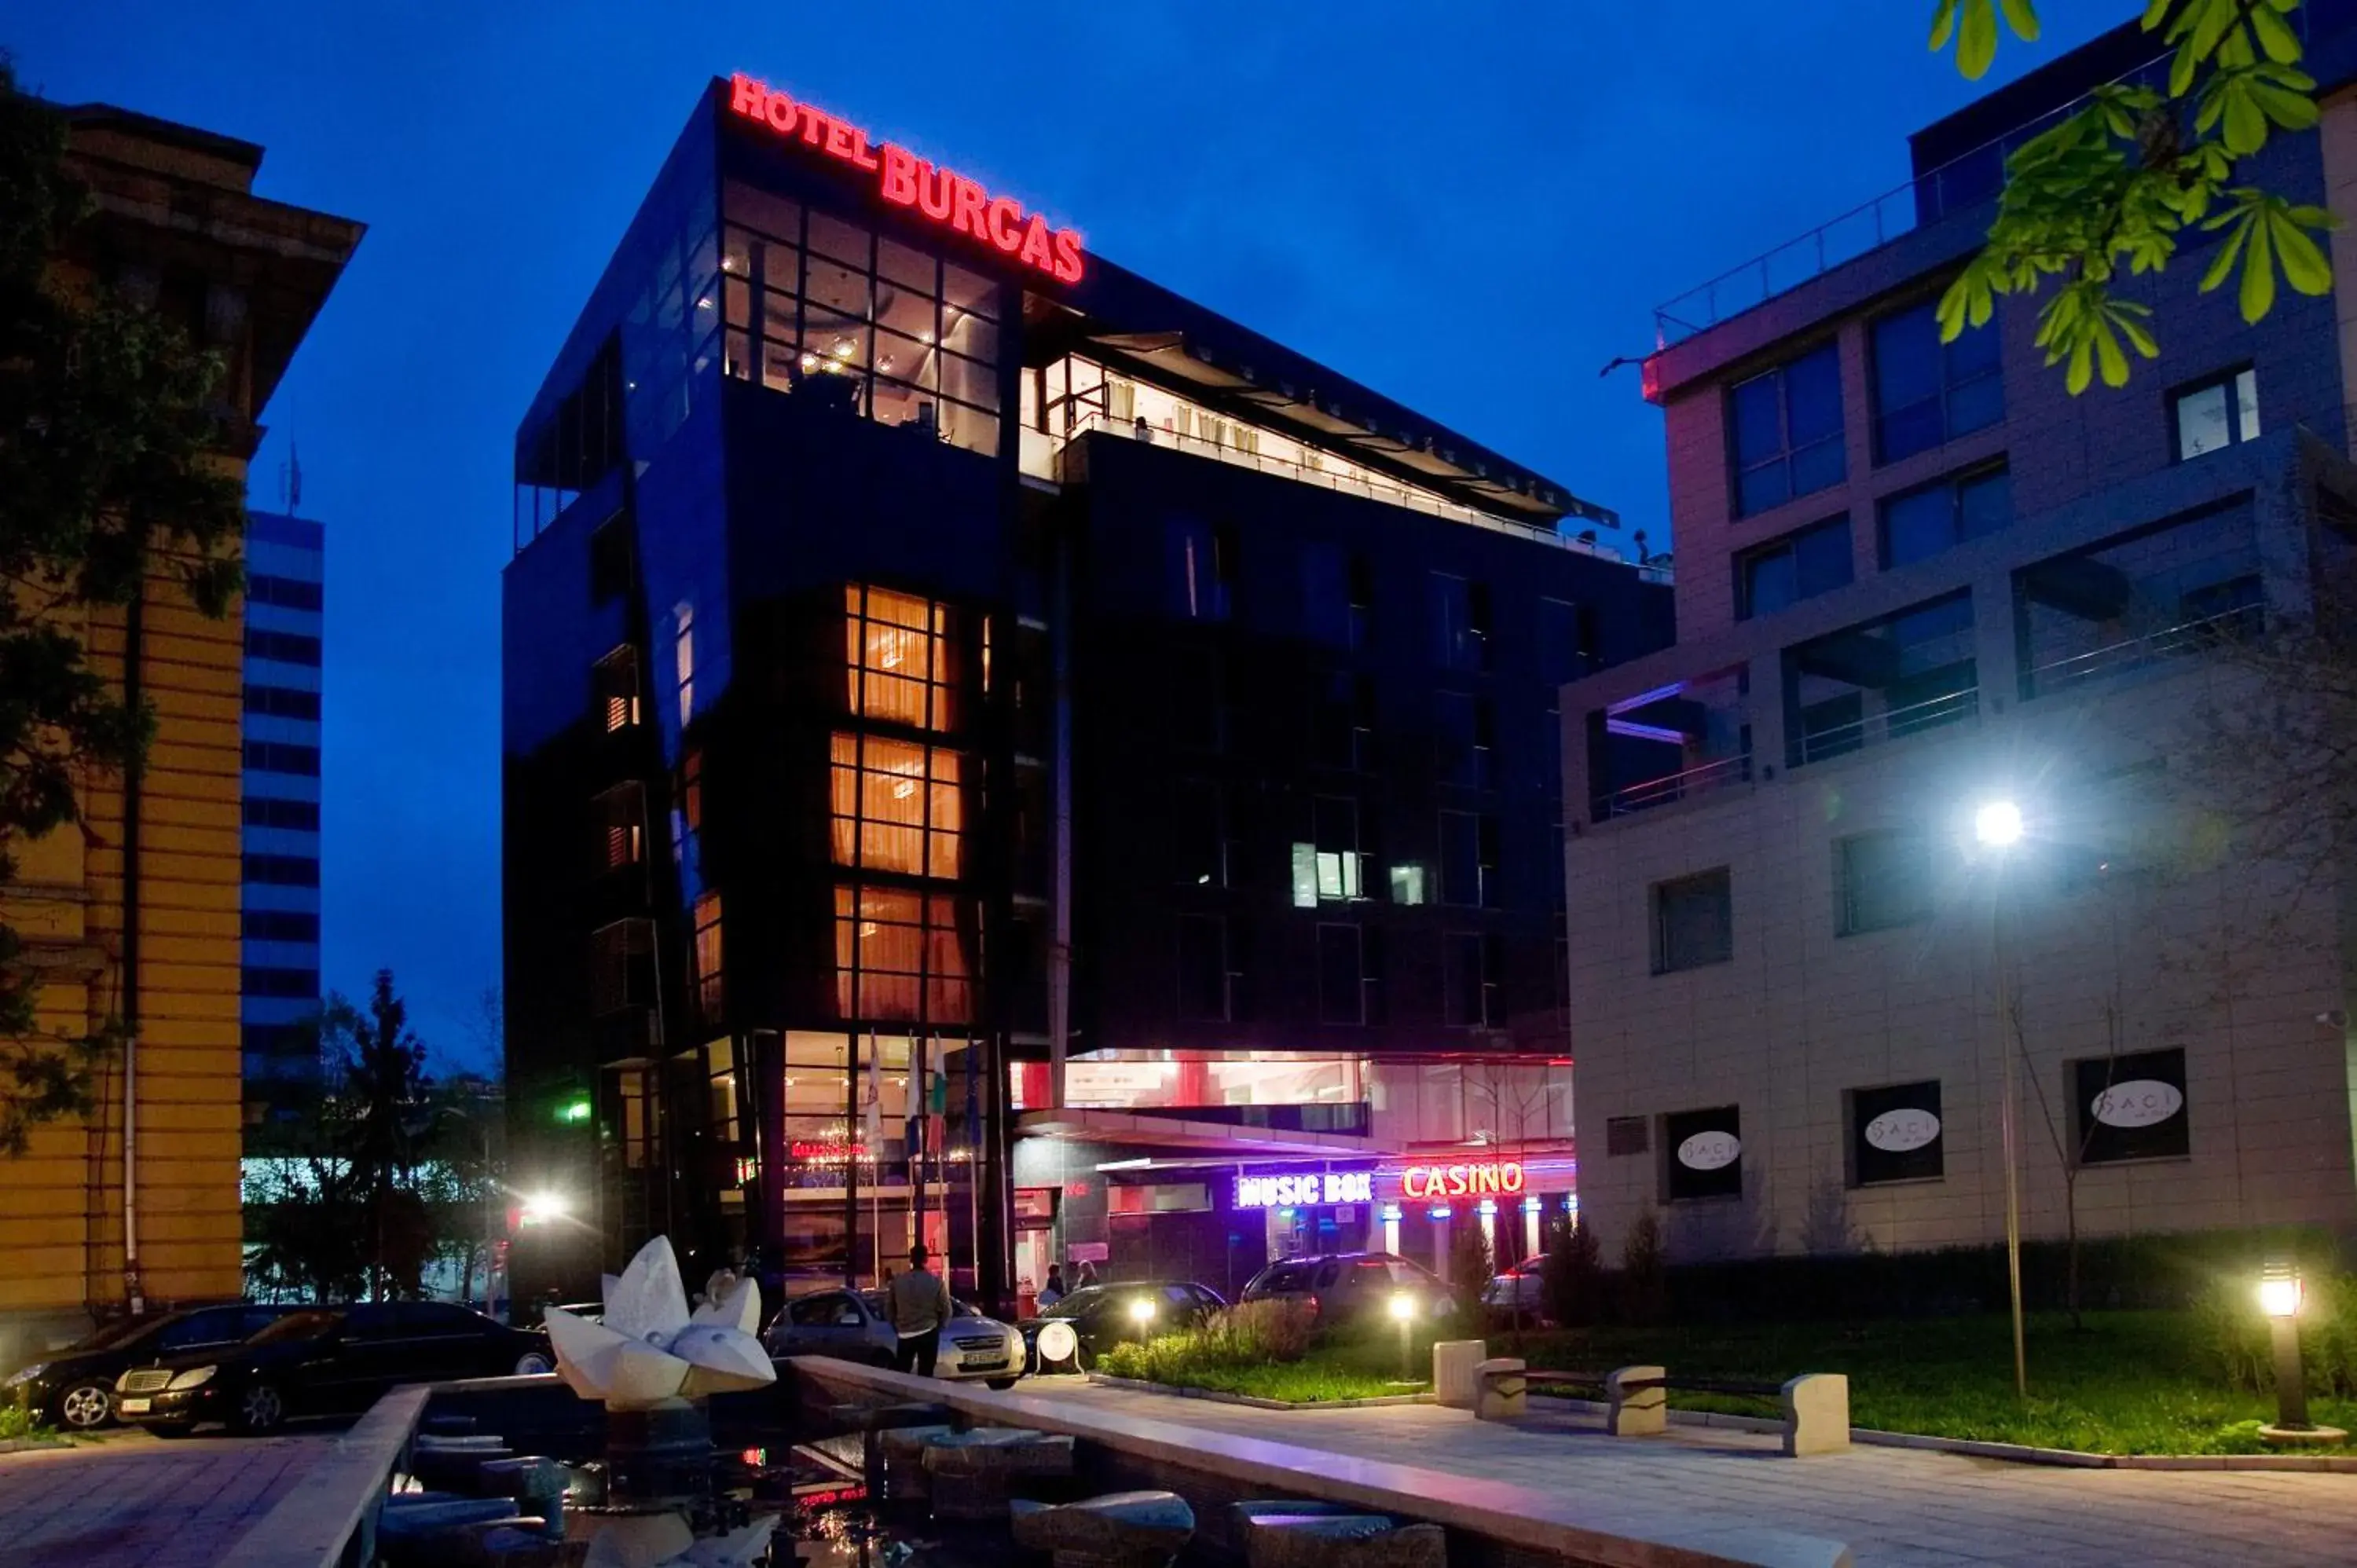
650, 1348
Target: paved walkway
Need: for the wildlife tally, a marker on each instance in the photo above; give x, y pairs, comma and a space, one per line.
1892, 1505
134, 1501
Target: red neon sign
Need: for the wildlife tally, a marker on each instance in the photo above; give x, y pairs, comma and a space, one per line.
827, 1154
907, 180
1487, 1179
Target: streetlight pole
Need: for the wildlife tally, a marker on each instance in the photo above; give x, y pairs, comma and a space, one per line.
1997, 826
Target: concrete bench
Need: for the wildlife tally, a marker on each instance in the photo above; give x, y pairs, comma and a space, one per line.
1815, 1406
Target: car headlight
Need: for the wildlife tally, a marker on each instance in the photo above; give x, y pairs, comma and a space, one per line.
194, 1377
24, 1374
1058, 1342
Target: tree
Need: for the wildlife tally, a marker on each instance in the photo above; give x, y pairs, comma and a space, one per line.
1573, 1283
2116, 185
384, 1114
110, 463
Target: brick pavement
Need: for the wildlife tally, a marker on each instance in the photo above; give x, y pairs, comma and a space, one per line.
1896, 1508
134, 1501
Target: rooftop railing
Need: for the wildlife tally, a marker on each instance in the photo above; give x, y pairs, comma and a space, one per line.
1042, 457
1891, 723
2239, 623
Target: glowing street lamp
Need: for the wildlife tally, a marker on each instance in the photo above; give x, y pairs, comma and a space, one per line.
1998, 824
2280, 1297
545, 1208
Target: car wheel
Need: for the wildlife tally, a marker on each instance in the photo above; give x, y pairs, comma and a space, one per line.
169, 1429
260, 1409
531, 1364
1001, 1384
83, 1407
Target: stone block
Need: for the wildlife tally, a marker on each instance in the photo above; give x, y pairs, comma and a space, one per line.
1633, 1411
1816, 1414
903, 1458
1501, 1391
1342, 1540
1122, 1530
971, 1474
1453, 1361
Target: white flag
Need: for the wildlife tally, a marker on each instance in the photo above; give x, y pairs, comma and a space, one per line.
872, 1101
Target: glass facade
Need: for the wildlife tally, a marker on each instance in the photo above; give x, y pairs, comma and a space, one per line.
813, 302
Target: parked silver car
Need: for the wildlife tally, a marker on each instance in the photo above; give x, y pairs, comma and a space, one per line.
856, 1326
1520, 1290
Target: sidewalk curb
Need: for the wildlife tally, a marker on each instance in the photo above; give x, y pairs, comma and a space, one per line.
1219, 1396
32, 1445
2012, 1453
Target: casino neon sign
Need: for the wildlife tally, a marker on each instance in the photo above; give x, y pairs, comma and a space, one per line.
1309, 1189
907, 180
1486, 1179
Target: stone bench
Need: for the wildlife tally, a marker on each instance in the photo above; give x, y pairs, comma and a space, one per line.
1122, 1530
970, 1474
1815, 1406
1282, 1534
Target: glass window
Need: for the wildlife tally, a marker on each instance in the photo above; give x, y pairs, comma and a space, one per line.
708, 993
1466, 739
1894, 1133
1923, 523
831, 236
970, 293
1334, 832
1468, 859
907, 268
1706, 1150
2218, 413
1787, 429
1202, 569
1340, 980
1779, 574
1567, 641
908, 313
969, 381
1203, 990
898, 806
1693, 921
830, 285
1460, 622
1198, 700
1198, 840
910, 364
2130, 1107
899, 658
1328, 604
1927, 391
1886, 881
1469, 981
1342, 720
899, 955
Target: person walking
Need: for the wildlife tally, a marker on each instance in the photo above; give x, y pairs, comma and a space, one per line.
1053, 1291
921, 1306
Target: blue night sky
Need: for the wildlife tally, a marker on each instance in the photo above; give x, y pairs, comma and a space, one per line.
1471, 216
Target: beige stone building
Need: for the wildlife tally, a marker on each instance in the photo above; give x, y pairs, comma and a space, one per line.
136, 913
1916, 582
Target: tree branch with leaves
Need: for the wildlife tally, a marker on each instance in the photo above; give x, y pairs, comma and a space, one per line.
2117, 187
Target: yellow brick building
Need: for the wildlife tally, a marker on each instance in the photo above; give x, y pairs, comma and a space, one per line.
136, 913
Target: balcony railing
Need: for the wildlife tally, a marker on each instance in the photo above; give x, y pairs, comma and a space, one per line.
2237, 624
1630, 798
1891, 723
1042, 457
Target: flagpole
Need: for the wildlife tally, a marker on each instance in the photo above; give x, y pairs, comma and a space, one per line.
851, 1159
973, 1171
921, 1103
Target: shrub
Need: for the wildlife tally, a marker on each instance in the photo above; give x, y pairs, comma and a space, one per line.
16, 1421
1279, 1330
1644, 1277
1571, 1282
2238, 1342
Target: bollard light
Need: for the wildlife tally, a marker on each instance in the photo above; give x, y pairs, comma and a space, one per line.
1141, 1311
2281, 1294
1402, 1306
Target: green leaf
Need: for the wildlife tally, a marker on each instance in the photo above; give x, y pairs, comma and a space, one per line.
2221, 266
2258, 292
2021, 16
2107, 352
2304, 266
2155, 12
1943, 25
2246, 126
2082, 365
1977, 38
2275, 36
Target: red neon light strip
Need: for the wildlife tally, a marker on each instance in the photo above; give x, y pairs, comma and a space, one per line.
907, 180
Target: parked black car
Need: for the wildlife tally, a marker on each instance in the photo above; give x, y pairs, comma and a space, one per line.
1349, 1288
1100, 1316
323, 1361
70, 1386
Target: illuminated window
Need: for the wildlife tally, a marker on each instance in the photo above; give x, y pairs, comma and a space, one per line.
709, 996
621, 821
615, 683
720, 1061
899, 954
899, 658
898, 806
683, 658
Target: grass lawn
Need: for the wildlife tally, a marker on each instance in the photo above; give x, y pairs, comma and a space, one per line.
2130, 1382
1346, 1371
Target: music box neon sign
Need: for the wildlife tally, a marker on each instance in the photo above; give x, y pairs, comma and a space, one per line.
907, 180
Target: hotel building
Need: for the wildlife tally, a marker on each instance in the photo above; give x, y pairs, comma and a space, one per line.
961, 698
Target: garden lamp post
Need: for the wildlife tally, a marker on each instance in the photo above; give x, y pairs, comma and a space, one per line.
1997, 826
2281, 1295
1404, 1314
